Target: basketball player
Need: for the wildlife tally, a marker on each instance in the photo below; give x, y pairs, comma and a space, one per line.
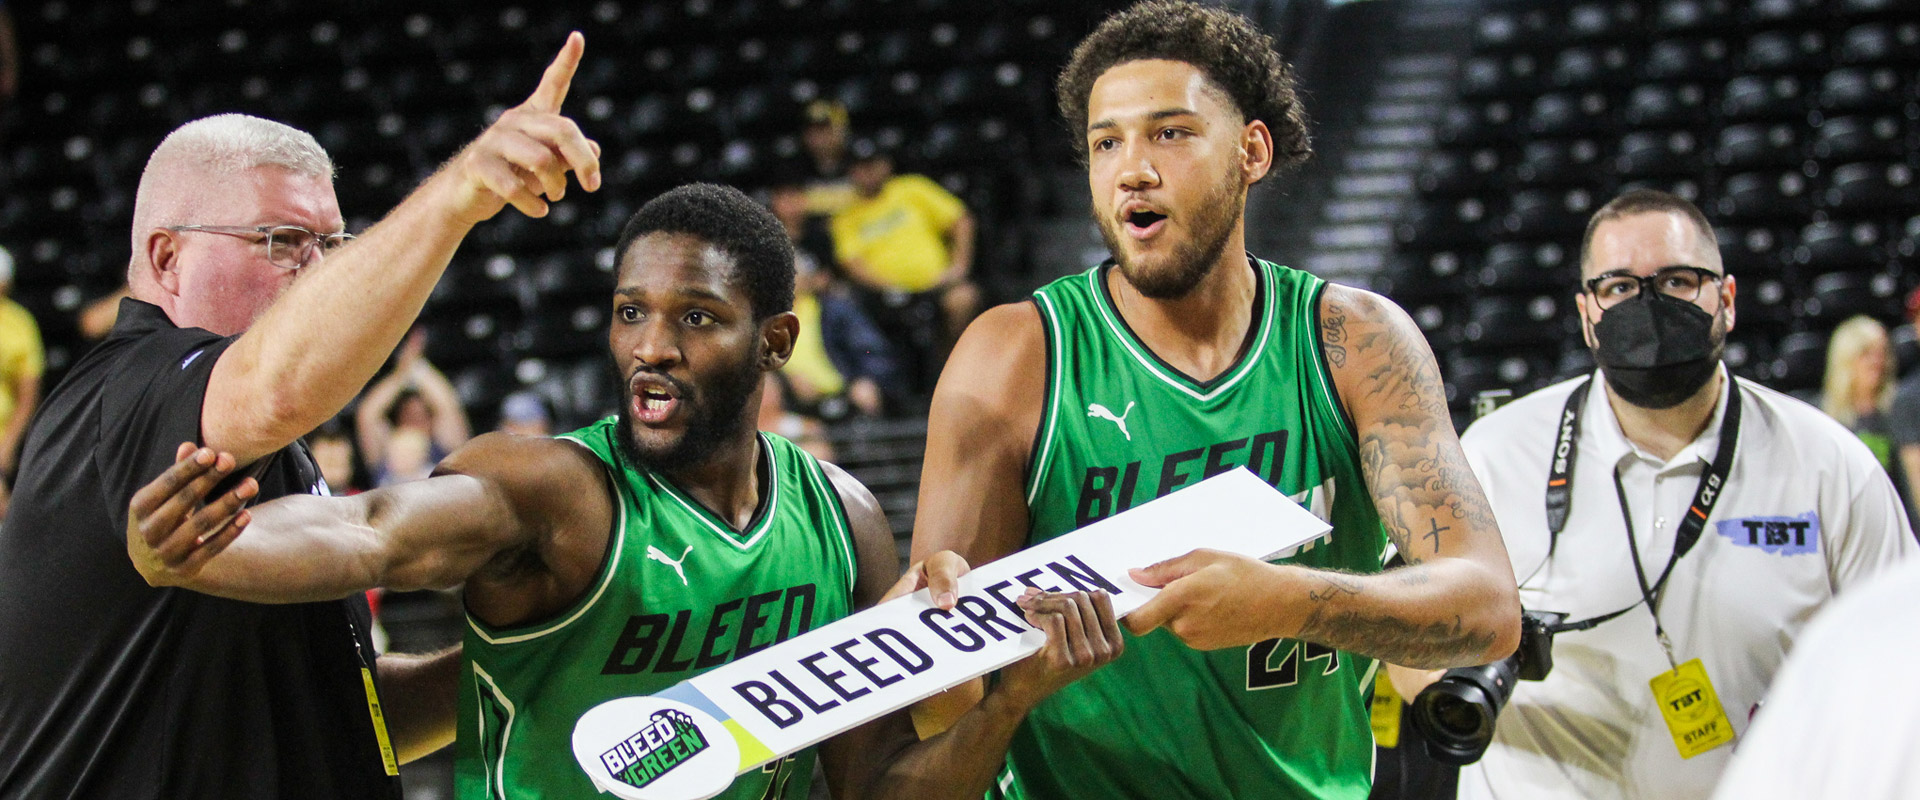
1182, 358
631, 554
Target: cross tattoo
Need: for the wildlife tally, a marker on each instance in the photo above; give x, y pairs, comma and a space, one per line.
1435, 533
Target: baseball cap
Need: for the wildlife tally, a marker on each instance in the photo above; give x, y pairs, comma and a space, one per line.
826, 112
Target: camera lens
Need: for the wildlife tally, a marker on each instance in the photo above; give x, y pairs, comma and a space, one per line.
1456, 714
1461, 718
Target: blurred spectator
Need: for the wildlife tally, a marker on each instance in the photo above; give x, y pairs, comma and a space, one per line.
410, 419
825, 137
776, 417
1859, 392
907, 240
525, 414
21, 361
1905, 416
332, 446
840, 353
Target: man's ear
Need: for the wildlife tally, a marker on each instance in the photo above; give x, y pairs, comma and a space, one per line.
1256, 151
163, 260
1581, 301
777, 335
1728, 290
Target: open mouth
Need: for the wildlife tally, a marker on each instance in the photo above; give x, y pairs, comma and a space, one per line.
1142, 223
654, 399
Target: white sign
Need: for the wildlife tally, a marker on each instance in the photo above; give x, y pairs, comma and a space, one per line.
844, 674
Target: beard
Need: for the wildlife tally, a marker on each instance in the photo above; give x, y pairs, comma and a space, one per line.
1191, 260
715, 413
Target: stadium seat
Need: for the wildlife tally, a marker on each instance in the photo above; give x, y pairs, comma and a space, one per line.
1880, 43
1504, 321
1569, 114
1551, 214
1476, 124
1764, 196
1827, 247
1557, 163
1429, 228
1860, 137
1783, 52
1409, 278
1685, 59
1781, 97
1602, 21
1800, 360
1656, 152
1749, 251
1754, 145
1676, 16
1494, 76
1839, 295
1589, 67
1869, 187
1522, 267
1783, 12
1679, 105
1450, 173
1861, 89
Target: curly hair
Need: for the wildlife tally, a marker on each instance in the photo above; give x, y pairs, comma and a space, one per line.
1235, 56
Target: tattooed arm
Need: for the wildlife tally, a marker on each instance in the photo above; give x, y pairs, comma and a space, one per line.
1454, 604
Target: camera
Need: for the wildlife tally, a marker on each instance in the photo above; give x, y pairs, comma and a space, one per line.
1455, 715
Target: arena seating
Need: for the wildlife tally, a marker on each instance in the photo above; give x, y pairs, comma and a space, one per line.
1792, 123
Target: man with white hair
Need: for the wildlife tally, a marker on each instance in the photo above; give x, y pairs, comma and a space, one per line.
249, 324
21, 361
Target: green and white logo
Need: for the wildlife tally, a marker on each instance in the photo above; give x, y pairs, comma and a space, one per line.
667, 741
652, 748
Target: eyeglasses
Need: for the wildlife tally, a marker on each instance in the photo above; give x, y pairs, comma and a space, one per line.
1678, 282
288, 246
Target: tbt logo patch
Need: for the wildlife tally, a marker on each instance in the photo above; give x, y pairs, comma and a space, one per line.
1786, 536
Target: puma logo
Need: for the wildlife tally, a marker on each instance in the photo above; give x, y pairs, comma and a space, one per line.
1101, 412
654, 554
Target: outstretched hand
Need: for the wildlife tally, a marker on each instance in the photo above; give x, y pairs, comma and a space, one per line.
1082, 636
1209, 599
523, 158
171, 530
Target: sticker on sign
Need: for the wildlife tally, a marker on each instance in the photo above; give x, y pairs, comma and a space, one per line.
688, 742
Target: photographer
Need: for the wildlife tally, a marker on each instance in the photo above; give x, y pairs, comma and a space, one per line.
1687, 523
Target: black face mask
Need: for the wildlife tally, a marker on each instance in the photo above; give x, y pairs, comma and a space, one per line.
1656, 351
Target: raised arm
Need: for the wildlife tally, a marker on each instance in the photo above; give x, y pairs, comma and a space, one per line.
307, 356
370, 423
496, 497
450, 426
1454, 604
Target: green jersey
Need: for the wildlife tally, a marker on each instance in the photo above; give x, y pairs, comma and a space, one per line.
1281, 719
679, 593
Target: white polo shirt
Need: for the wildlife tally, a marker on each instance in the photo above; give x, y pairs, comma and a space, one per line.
1735, 601
1842, 720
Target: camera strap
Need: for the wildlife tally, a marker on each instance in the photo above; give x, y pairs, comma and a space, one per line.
1705, 496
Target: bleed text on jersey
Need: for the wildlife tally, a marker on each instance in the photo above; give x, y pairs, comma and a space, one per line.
734, 629
1105, 491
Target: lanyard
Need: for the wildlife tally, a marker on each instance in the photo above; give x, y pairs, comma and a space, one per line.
1705, 496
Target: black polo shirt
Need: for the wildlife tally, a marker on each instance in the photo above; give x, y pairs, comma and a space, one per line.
112, 688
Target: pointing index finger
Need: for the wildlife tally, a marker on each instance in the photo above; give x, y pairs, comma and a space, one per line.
554, 83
